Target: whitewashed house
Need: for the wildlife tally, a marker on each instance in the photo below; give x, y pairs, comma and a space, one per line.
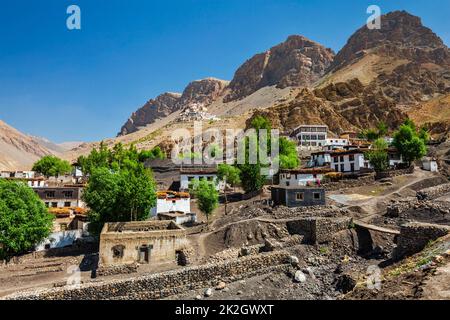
18, 174
302, 177
335, 143
395, 158
320, 159
349, 160
310, 136
170, 201
430, 164
189, 176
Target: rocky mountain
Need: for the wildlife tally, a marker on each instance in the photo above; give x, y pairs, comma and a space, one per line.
19, 151
404, 58
296, 62
154, 109
202, 92
341, 106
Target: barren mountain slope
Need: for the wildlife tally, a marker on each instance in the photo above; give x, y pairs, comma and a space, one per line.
17, 150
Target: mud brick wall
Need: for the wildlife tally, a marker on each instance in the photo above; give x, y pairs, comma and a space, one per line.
318, 229
415, 236
433, 192
165, 284
350, 183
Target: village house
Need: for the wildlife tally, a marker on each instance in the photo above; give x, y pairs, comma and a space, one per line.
302, 177
310, 136
61, 197
429, 164
189, 176
143, 242
176, 206
335, 143
297, 196
395, 158
18, 174
349, 161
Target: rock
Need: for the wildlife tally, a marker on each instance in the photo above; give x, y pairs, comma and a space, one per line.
198, 297
438, 259
221, 285
208, 292
293, 260
299, 276
345, 283
250, 236
296, 62
226, 289
271, 245
239, 292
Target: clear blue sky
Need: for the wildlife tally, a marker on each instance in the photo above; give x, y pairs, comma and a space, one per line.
83, 84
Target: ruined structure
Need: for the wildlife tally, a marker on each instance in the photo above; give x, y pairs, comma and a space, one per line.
145, 242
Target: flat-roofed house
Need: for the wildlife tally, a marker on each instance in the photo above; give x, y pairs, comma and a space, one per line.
61, 197
311, 136
348, 161
296, 196
303, 177
189, 176
170, 201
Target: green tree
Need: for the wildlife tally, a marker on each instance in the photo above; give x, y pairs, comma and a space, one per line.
119, 196
52, 166
378, 155
288, 154
207, 198
409, 143
229, 174
24, 219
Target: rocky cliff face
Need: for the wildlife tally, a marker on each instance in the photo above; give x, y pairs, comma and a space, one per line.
341, 106
296, 62
154, 109
202, 92
401, 35
421, 58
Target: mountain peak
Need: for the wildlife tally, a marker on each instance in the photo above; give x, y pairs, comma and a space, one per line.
401, 35
297, 61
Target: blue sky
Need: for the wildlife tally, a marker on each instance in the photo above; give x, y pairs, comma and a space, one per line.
83, 84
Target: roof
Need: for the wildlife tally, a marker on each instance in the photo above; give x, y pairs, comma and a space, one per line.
299, 188
199, 171
347, 152
172, 195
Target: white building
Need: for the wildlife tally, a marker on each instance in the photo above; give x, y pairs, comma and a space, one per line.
320, 159
18, 174
302, 177
170, 201
429, 164
189, 176
335, 143
395, 158
311, 136
349, 160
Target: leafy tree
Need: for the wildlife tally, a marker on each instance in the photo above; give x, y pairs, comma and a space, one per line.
229, 174
52, 166
374, 134
207, 197
382, 129
378, 155
115, 196
288, 154
24, 219
409, 143
155, 153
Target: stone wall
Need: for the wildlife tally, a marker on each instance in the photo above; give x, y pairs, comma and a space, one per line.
433, 192
415, 236
349, 183
165, 284
394, 173
318, 229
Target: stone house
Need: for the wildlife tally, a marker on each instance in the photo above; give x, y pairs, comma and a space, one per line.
302, 177
296, 196
143, 242
188, 176
61, 197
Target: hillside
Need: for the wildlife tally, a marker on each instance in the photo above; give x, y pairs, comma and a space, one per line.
19, 151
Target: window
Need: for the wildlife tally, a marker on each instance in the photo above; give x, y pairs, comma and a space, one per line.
54, 204
314, 137
117, 251
351, 157
342, 168
50, 194
190, 179
63, 226
317, 196
287, 183
68, 194
352, 167
299, 196
321, 137
67, 204
336, 167
210, 178
341, 158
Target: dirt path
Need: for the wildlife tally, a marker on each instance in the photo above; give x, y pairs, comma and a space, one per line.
438, 286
